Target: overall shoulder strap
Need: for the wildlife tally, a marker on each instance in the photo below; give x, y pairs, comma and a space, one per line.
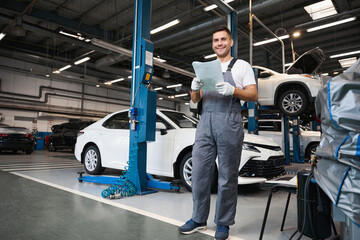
231, 64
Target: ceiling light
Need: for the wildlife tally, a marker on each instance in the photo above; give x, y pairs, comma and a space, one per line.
47, 75
166, 74
97, 85
56, 71
2, 35
210, 56
296, 34
117, 80
158, 88
182, 95
345, 54
160, 98
174, 86
335, 73
163, 27
271, 40
108, 83
159, 59
129, 76
64, 68
72, 35
287, 64
347, 62
18, 29
321, 9
171, 96
331, 24
325, 74
187, 103
213, 6
82, 60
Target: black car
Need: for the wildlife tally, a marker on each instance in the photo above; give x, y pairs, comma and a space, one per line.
16, 138
64, 135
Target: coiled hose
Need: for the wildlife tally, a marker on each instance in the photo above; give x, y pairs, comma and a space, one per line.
123, 187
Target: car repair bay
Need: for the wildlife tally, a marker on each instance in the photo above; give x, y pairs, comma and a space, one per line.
41, 198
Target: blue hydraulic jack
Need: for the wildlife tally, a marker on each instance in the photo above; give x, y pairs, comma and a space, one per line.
151, 183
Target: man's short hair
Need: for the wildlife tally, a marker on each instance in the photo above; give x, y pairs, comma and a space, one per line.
222, 28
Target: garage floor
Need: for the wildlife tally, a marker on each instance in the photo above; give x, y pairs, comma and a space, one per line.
41, 198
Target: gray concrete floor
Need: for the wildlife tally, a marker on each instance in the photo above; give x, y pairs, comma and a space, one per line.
41, 198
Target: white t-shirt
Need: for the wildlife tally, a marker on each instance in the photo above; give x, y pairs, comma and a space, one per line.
242, 73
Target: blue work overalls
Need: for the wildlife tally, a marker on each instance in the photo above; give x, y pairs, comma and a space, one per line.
219, 133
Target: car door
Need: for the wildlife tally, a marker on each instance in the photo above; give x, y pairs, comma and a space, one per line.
160, 153
265, 84
113, 141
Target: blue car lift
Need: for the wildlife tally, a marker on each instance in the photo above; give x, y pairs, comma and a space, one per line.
142, 112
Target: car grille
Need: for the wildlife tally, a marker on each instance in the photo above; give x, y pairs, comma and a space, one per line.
273, 167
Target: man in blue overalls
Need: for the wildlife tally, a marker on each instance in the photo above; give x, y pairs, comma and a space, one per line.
219, 133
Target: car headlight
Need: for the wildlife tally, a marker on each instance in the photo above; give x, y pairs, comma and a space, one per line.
249, 147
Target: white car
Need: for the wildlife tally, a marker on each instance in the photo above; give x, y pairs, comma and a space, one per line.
105, 144
272, 129
292, 92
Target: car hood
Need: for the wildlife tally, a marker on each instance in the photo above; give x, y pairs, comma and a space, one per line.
309, 62
252, 138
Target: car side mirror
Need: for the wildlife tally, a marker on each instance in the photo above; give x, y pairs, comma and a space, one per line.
161, 127
264, 75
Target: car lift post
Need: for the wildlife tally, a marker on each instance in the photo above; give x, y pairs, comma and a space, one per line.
297, 157
286, 138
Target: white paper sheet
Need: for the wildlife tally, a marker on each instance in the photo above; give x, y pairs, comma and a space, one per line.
209, 73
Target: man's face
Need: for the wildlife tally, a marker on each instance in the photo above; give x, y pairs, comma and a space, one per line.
222, 44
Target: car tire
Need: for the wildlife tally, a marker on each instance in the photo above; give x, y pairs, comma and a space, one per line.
51, 147
311, 149
186, 173
92, 161
293, 102
28, 151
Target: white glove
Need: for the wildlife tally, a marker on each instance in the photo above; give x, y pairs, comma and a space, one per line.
196, 84
225, 88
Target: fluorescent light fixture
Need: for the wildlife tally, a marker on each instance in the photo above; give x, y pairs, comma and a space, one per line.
345, 54
321, 9
174, 86
213, 6
271, 40
82, 60
210, 56
64, 68
56, 71
187, 103
47, 75
72, 35
160, 98
163, 27
129, 76
2, 35
158, 88
108, 83
117, 80
97, 85
88, 40
171, 96
331, 24
182, 95
287, 64
325, 74
159, 59
347, 62
335, 73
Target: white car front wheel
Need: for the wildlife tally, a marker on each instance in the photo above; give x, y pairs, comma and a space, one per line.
293, 102
186, 167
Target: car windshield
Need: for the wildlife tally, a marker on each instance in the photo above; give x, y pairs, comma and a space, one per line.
181, 119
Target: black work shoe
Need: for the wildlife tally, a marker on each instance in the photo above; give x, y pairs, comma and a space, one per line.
222, 232
191, 227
